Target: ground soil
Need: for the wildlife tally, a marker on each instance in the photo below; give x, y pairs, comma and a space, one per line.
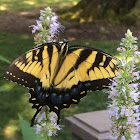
18, 23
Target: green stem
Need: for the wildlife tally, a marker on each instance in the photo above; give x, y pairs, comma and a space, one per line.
46, 138
49, 138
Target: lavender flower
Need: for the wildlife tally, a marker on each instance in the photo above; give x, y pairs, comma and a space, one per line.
124, 112
47, 27
46, 123
138, 54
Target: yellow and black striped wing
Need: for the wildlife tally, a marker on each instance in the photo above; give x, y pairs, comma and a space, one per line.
38, 63
87, 66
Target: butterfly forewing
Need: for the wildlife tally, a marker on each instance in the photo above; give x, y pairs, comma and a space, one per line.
38, 63
84, 64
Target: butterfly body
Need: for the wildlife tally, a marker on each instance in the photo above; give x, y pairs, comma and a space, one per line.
58, 75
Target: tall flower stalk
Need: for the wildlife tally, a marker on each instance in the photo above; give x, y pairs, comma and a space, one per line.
47, 27
47, 30
124, 111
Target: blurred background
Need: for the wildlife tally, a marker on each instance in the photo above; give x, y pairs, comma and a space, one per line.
99, 24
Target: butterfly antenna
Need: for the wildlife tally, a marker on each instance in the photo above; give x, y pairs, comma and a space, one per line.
33, 119
63, 34
65, 37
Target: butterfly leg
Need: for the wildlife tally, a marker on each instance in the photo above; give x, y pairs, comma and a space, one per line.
58, 117
33, 119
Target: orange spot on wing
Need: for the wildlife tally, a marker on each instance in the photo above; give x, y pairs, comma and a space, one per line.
82, 92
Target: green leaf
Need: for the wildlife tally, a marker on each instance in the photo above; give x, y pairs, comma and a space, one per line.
4, 59
3, 89
28, 131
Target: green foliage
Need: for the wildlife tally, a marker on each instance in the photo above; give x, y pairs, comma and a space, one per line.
7, 61
134, 16
28, 131
102, 30
3, 89
4, 59
13, 100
